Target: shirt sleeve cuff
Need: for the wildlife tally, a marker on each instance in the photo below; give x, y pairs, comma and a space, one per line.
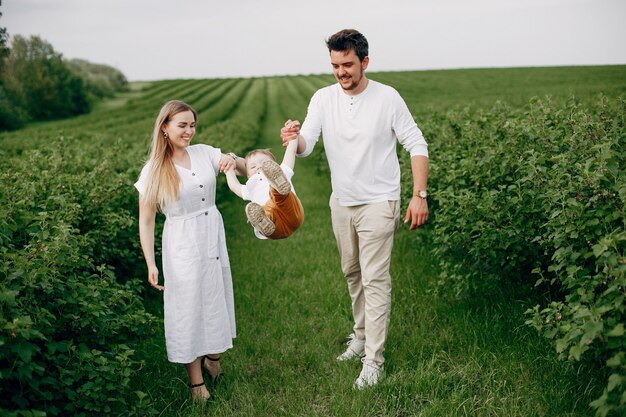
245, 194
421, 150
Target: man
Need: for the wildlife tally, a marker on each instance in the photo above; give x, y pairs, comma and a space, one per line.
360, 121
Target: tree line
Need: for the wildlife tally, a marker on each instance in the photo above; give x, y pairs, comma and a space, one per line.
37, 83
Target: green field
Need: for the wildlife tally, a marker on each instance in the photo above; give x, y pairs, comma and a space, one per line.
81, 332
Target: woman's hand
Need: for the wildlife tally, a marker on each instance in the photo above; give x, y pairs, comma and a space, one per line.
153, 277
226, 163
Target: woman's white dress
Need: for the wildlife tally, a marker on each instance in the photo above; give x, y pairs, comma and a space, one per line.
198, 298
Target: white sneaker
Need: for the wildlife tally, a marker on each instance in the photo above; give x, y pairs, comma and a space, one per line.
370, 374
356, 349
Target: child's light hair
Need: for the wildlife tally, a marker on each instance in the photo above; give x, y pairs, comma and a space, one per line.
260, 151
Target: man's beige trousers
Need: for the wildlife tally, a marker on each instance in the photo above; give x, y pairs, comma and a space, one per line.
364, 236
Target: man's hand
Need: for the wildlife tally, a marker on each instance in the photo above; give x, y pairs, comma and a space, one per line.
416, 213
290, 131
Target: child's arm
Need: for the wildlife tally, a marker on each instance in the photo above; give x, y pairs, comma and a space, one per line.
240, 164
289, 158
233, 182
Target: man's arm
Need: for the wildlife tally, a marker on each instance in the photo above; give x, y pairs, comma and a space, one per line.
417, 212
233, 182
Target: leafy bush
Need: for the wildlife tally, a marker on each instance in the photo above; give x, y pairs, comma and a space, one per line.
99, 80
12, 116
538, 196
71, 308
36, 83
39, 81
66, 322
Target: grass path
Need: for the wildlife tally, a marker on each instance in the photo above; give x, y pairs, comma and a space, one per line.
471, 357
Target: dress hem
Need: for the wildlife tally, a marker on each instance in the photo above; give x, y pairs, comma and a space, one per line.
211, 352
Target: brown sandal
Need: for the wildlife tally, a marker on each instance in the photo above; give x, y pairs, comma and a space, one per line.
198, 399
205, 368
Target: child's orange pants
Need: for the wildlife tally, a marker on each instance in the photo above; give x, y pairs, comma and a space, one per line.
285, 211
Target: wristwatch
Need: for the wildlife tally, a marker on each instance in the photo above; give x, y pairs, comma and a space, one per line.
421, 194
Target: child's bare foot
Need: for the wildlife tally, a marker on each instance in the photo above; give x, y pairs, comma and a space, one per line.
259, 220
276, 177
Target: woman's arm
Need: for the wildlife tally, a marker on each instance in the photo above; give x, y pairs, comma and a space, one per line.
147, 216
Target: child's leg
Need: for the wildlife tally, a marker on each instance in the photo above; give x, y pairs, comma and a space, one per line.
276, 177
258, 218
286, 213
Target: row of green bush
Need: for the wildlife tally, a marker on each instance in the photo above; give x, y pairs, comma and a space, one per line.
71, 270
536, 197
67, 323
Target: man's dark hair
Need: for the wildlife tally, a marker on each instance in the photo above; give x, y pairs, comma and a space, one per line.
348, 39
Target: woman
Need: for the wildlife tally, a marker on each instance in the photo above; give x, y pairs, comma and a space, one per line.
198, 296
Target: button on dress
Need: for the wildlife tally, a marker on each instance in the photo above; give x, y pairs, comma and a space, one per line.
199, 312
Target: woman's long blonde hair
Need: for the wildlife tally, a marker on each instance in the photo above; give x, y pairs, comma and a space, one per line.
163, 185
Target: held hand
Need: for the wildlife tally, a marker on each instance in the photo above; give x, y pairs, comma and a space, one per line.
290, 131
153, 278
417, 212
231, 172
226, 163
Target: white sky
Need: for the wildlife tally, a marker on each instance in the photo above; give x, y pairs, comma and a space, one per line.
159, 39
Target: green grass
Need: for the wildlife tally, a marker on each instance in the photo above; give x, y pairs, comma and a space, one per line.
445, 356
428, 91
461, 358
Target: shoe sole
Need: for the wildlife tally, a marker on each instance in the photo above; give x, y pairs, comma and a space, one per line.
361, 384
259, 220
352, 358
276, 177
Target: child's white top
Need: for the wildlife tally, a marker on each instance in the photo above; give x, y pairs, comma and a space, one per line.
257, 188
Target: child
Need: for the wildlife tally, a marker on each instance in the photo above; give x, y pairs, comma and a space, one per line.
275, 211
